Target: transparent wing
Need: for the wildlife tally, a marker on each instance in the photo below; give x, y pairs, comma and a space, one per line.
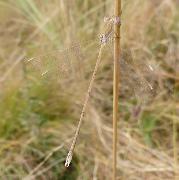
70, 63
74, 66
68, 70
138, 77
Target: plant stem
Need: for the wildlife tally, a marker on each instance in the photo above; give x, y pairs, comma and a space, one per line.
117, 13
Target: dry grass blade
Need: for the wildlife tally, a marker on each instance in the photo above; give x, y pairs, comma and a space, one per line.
36, 169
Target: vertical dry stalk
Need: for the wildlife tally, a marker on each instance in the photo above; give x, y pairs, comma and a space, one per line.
175, 134
117, 14
175, 159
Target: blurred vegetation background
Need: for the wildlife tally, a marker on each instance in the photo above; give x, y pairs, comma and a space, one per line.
40, 113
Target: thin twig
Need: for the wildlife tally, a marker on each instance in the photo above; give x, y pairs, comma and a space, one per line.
117, 13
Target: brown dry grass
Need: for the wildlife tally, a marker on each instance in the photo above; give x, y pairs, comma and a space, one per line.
32, 124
